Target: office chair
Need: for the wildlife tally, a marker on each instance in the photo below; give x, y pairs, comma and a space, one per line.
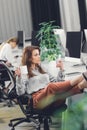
37, 116
5, 76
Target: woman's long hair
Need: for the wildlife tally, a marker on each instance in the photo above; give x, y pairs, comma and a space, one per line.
27, 60
13, 39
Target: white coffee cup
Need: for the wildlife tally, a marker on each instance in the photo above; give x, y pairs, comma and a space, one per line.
24, 70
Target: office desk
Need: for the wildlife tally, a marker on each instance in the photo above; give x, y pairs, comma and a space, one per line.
75, 116
73, 68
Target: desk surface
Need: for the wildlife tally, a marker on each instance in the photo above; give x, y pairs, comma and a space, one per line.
73, 67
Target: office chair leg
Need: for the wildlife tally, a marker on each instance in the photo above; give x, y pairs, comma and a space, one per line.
37, 124
21, 120
46, 124
17, 123
11, 121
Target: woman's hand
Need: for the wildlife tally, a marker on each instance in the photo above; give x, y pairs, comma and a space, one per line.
18, 72
82, 84
60, 64
8, 64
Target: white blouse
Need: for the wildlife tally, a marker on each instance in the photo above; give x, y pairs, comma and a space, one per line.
33, 84
6, 53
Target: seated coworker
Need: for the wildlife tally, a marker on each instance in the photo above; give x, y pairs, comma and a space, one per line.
42, 85
6, 50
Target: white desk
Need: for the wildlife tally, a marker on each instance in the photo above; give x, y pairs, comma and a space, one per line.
73, 67
75, 119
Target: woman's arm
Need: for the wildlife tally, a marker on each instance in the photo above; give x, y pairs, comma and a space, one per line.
60, 76
20, 86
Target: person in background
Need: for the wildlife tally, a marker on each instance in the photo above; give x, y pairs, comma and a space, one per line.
42, 85
6, 53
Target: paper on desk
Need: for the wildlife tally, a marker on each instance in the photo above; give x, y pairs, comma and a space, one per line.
73, 67
73, 60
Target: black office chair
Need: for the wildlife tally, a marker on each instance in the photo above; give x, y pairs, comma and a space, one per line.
38, 116
5, 75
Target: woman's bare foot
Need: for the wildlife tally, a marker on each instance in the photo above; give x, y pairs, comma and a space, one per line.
76, 80
82, 84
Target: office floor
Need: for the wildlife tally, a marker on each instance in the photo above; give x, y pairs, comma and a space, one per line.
7, 113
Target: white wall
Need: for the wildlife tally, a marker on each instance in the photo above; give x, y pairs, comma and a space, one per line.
70, 15
14, 15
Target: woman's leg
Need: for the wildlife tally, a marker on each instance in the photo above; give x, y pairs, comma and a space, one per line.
57, 88
48, 93
76, 80
82, 84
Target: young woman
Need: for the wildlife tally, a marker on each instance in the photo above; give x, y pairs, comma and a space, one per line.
41, 85
6, 50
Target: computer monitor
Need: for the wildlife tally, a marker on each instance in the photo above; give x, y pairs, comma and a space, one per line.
21, 37
74, 43
84, 45
34, 40
62, 36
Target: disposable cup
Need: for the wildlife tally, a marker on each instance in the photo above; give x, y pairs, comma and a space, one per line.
24, 70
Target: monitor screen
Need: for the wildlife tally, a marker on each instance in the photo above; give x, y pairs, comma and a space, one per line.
21, 37
84, 45
62, 36
74, 43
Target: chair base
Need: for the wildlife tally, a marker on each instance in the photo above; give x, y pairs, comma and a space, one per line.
15, 122
37, 124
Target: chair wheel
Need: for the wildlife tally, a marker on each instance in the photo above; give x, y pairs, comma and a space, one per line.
10, 124
13, 129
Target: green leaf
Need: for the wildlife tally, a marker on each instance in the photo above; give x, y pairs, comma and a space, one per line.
49, 43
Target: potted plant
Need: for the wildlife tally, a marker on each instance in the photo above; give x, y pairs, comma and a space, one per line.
50, 47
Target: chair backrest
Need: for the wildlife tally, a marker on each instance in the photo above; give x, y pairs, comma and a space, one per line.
6, 74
